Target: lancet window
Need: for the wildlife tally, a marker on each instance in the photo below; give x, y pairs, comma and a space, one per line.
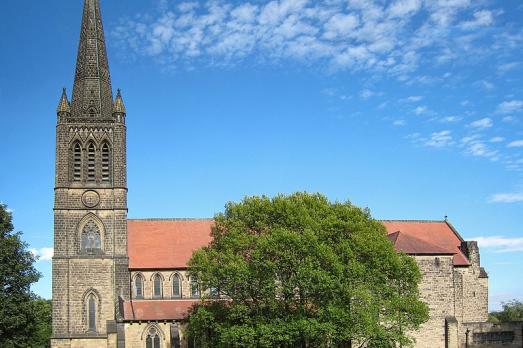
177, 286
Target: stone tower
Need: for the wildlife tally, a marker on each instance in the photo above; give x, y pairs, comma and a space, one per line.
90, 264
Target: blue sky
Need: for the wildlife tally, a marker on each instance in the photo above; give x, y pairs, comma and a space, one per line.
411, 108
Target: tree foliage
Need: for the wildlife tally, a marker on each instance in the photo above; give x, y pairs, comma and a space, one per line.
300, 271
18, 320
512, 311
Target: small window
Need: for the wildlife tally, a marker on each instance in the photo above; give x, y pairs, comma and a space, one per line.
91, 162
106, 163
91, 241
92, 313
195, 290
157, 286
177, 291
138, 286
153, 339
77, 162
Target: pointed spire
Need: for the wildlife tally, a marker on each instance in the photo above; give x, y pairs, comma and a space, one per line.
92, 93
63, 105
119, 106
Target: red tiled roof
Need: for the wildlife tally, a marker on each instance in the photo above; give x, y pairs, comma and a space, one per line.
157, 309
421, 236
161, 244
168, 244
412, 245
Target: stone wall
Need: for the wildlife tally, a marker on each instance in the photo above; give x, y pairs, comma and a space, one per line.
489, 335
436, 290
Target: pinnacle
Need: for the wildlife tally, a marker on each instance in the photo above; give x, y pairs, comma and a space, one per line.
119, 106
63, 105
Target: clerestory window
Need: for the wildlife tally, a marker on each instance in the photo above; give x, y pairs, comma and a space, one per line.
195, 289
157, 286
138, 286
177, 286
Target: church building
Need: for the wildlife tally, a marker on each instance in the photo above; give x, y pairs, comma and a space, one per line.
123, 283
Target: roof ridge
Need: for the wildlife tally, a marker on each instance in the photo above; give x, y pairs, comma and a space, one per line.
413, 220
171, 219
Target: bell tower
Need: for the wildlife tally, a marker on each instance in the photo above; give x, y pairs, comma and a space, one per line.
90, 263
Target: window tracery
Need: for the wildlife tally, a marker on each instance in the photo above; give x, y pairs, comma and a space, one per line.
153, 339
91, 240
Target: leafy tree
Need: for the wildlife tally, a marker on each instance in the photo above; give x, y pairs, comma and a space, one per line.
17, 317
512, 311
301, 271
42, 329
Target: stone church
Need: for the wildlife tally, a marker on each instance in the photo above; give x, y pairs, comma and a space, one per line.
123, 283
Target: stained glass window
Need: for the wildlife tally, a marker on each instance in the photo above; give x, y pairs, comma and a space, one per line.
91, 237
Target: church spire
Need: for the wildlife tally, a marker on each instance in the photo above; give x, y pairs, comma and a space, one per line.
92, 94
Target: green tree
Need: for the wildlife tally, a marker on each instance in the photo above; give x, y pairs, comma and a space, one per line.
42, 329
301, 271
17, 317
512, 311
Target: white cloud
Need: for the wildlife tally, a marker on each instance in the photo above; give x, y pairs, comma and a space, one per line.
450, 119
486, 85
507, 197
482, 123
440, 139
504, 68
43, 254
515, 143
497, 139
402, 8
500, 243
413, 98
507, 107
420, 110
482, 18
362, 35
399, 123
367, 93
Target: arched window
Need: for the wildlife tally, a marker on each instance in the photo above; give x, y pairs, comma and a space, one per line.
91, 312
138, 286
157, 286
91, 162
77, 162
177, 286
106, 163
195, 290
153, 339
91, 242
